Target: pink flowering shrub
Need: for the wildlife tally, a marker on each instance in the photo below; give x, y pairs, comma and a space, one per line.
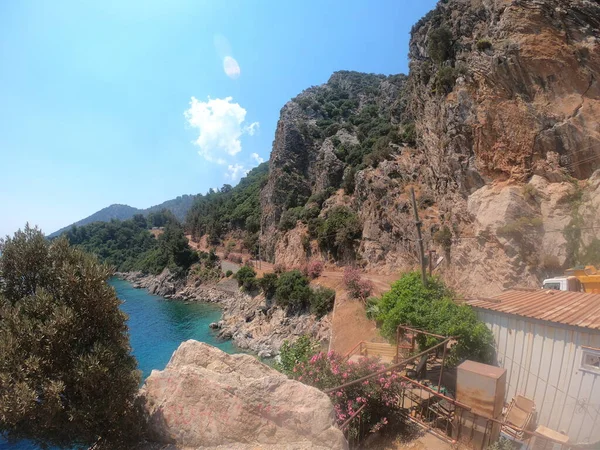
314, 269
356, 285
379, 394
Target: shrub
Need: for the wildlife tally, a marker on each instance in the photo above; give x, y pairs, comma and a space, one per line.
440, 44
445, 80
293, 291
356, 285
290, 218
378, 394
228, 273
246, 278
67, 375
484, 44
322, 301
314, 269
205, 274
292, 354
372, 308
268, 284
349, 181
433, 309
339, 231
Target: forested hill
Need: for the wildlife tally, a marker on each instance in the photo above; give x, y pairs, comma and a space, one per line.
230, 209
128, 245
178, 206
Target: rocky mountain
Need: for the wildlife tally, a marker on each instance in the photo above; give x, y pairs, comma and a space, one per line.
496, 128
178, 206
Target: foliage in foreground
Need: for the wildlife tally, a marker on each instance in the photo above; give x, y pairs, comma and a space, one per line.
67, 375
378, 394
432, 308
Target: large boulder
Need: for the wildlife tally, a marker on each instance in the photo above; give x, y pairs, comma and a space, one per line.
206, 398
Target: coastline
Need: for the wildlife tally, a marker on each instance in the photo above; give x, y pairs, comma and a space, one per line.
246, 320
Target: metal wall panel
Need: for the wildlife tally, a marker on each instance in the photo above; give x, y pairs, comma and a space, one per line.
543, 362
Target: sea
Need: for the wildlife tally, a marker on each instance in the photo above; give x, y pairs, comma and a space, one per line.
156, 327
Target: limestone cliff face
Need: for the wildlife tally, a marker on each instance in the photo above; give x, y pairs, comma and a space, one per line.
527, 92
505, 100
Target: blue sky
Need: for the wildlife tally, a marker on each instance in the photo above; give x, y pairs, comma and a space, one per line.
137, 102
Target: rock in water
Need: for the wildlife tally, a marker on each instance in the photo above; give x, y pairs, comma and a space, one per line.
207, 398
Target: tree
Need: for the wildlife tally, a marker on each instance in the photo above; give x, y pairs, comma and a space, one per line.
293, 291
67, 375
432, 308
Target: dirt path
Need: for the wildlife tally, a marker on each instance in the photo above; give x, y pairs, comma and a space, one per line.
349, 321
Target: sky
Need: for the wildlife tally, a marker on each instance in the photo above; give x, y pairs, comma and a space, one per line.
140, 101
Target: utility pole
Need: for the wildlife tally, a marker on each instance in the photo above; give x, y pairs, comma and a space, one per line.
419, 237
259, 238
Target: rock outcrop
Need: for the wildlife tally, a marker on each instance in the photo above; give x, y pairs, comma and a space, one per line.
206, 398
503, 101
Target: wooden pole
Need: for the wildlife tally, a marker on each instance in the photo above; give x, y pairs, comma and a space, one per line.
419, 237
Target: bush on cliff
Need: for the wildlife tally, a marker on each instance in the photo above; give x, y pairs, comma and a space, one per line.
293, 291
246, 278
67, 375
322, 300
268, 285
339, 231
433, 309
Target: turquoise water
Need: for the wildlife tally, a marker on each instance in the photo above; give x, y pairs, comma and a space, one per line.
157, 327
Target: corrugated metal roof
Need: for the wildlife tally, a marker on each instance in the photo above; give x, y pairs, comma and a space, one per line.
570, 308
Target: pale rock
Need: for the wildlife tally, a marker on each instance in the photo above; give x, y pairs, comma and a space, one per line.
206, 398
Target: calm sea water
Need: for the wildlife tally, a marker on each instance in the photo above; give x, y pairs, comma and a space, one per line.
157, 327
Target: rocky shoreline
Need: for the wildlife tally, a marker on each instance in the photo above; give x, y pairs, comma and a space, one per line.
247, 320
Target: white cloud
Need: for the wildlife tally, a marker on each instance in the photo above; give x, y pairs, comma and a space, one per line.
256, 157
220, 124
231, 67
235, 172
252, 128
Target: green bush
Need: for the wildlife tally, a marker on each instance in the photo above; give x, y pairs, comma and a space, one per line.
293, 291
228, 273
440, 44
67, 375
445, 80
290, 218
322, 301
339, 231
246, 278
349, 181
268, 284
291, 354
372, 308
432, 308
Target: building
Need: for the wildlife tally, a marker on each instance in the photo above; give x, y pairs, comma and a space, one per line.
549, 343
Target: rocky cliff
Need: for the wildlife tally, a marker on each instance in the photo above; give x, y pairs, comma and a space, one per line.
496, 127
